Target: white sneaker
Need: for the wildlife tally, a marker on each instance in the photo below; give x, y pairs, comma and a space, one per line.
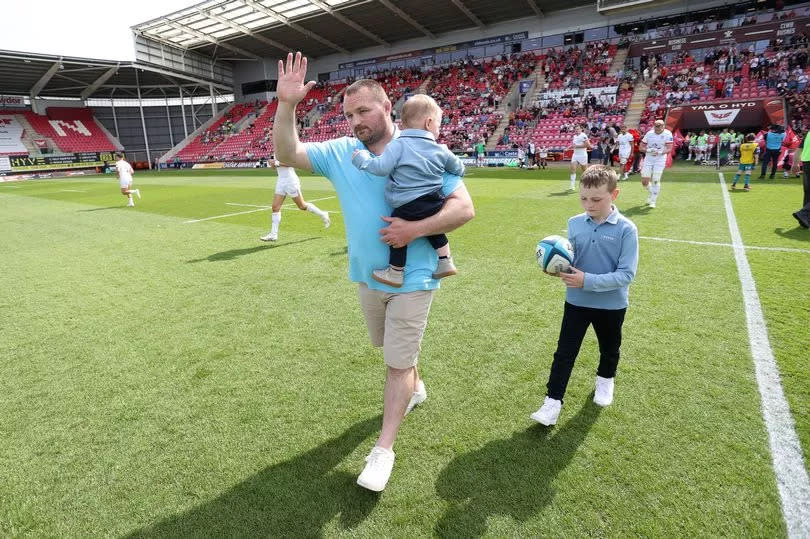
603, 393
417, 398
651, 203
572, 187
326, 220
131, 204
548, 413
138, 192
269, 237
379, 464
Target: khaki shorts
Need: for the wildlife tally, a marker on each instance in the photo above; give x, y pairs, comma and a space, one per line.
396, 322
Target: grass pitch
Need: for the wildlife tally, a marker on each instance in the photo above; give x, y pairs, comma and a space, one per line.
165, 376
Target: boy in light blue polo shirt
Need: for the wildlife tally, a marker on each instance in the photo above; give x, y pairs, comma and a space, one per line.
605, 260
414, 164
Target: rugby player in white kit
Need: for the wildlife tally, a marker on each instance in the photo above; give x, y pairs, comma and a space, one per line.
657, 144
581, 145
625, 141
124, 172
288, 184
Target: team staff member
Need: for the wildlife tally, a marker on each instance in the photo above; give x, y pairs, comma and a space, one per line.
773, 146
803, 215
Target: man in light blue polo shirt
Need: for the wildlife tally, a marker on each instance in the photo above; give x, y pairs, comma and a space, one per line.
396, 317
605, 260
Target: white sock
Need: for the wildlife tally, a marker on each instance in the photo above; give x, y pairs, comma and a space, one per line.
656, 188
316, 210
275, 219
573, 180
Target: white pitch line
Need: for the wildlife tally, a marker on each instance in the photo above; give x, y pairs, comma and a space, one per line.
259, 208
788, 462
289, 205
247, 205
719, 244
223, 216
71, 191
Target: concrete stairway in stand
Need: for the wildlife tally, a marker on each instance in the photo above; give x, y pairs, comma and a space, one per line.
636, 107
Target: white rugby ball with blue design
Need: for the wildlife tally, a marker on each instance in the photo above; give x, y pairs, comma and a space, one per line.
554, 254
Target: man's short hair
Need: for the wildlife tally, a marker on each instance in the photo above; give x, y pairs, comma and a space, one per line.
658, 122
417, 107
597, 175
119, 155
371, 85
750, 137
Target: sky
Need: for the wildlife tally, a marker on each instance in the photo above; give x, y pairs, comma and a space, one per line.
98, 29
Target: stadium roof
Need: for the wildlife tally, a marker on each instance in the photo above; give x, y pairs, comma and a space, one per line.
30, 74
252, 29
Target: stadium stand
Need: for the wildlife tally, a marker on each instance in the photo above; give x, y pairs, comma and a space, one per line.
577, 90
470, 93
578, 84
397, 83
71, 129
204, 146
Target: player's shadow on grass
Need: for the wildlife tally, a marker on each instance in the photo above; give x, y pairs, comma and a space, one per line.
511, 477
636, 210
566, 193
798, 233
122, 207
294, 498
342, 252
236, 253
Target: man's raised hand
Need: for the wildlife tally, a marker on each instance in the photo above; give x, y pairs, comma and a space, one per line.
291, 88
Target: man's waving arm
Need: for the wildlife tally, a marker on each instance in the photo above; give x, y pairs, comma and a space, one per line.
291, 90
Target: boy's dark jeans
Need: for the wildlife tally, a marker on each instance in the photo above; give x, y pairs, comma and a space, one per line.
607, 324
417, 209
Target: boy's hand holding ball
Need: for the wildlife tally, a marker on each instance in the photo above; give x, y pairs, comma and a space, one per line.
573, 278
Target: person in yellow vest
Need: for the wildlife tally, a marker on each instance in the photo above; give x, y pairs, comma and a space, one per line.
803, 215
748, 151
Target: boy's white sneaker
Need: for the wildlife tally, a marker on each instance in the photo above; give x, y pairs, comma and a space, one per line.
603, 392
417, 398
651, 204
326, 220
548, 413
379, 464
269, 237
131, 203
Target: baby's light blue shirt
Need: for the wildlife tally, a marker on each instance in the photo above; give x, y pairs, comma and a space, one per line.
414, 165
